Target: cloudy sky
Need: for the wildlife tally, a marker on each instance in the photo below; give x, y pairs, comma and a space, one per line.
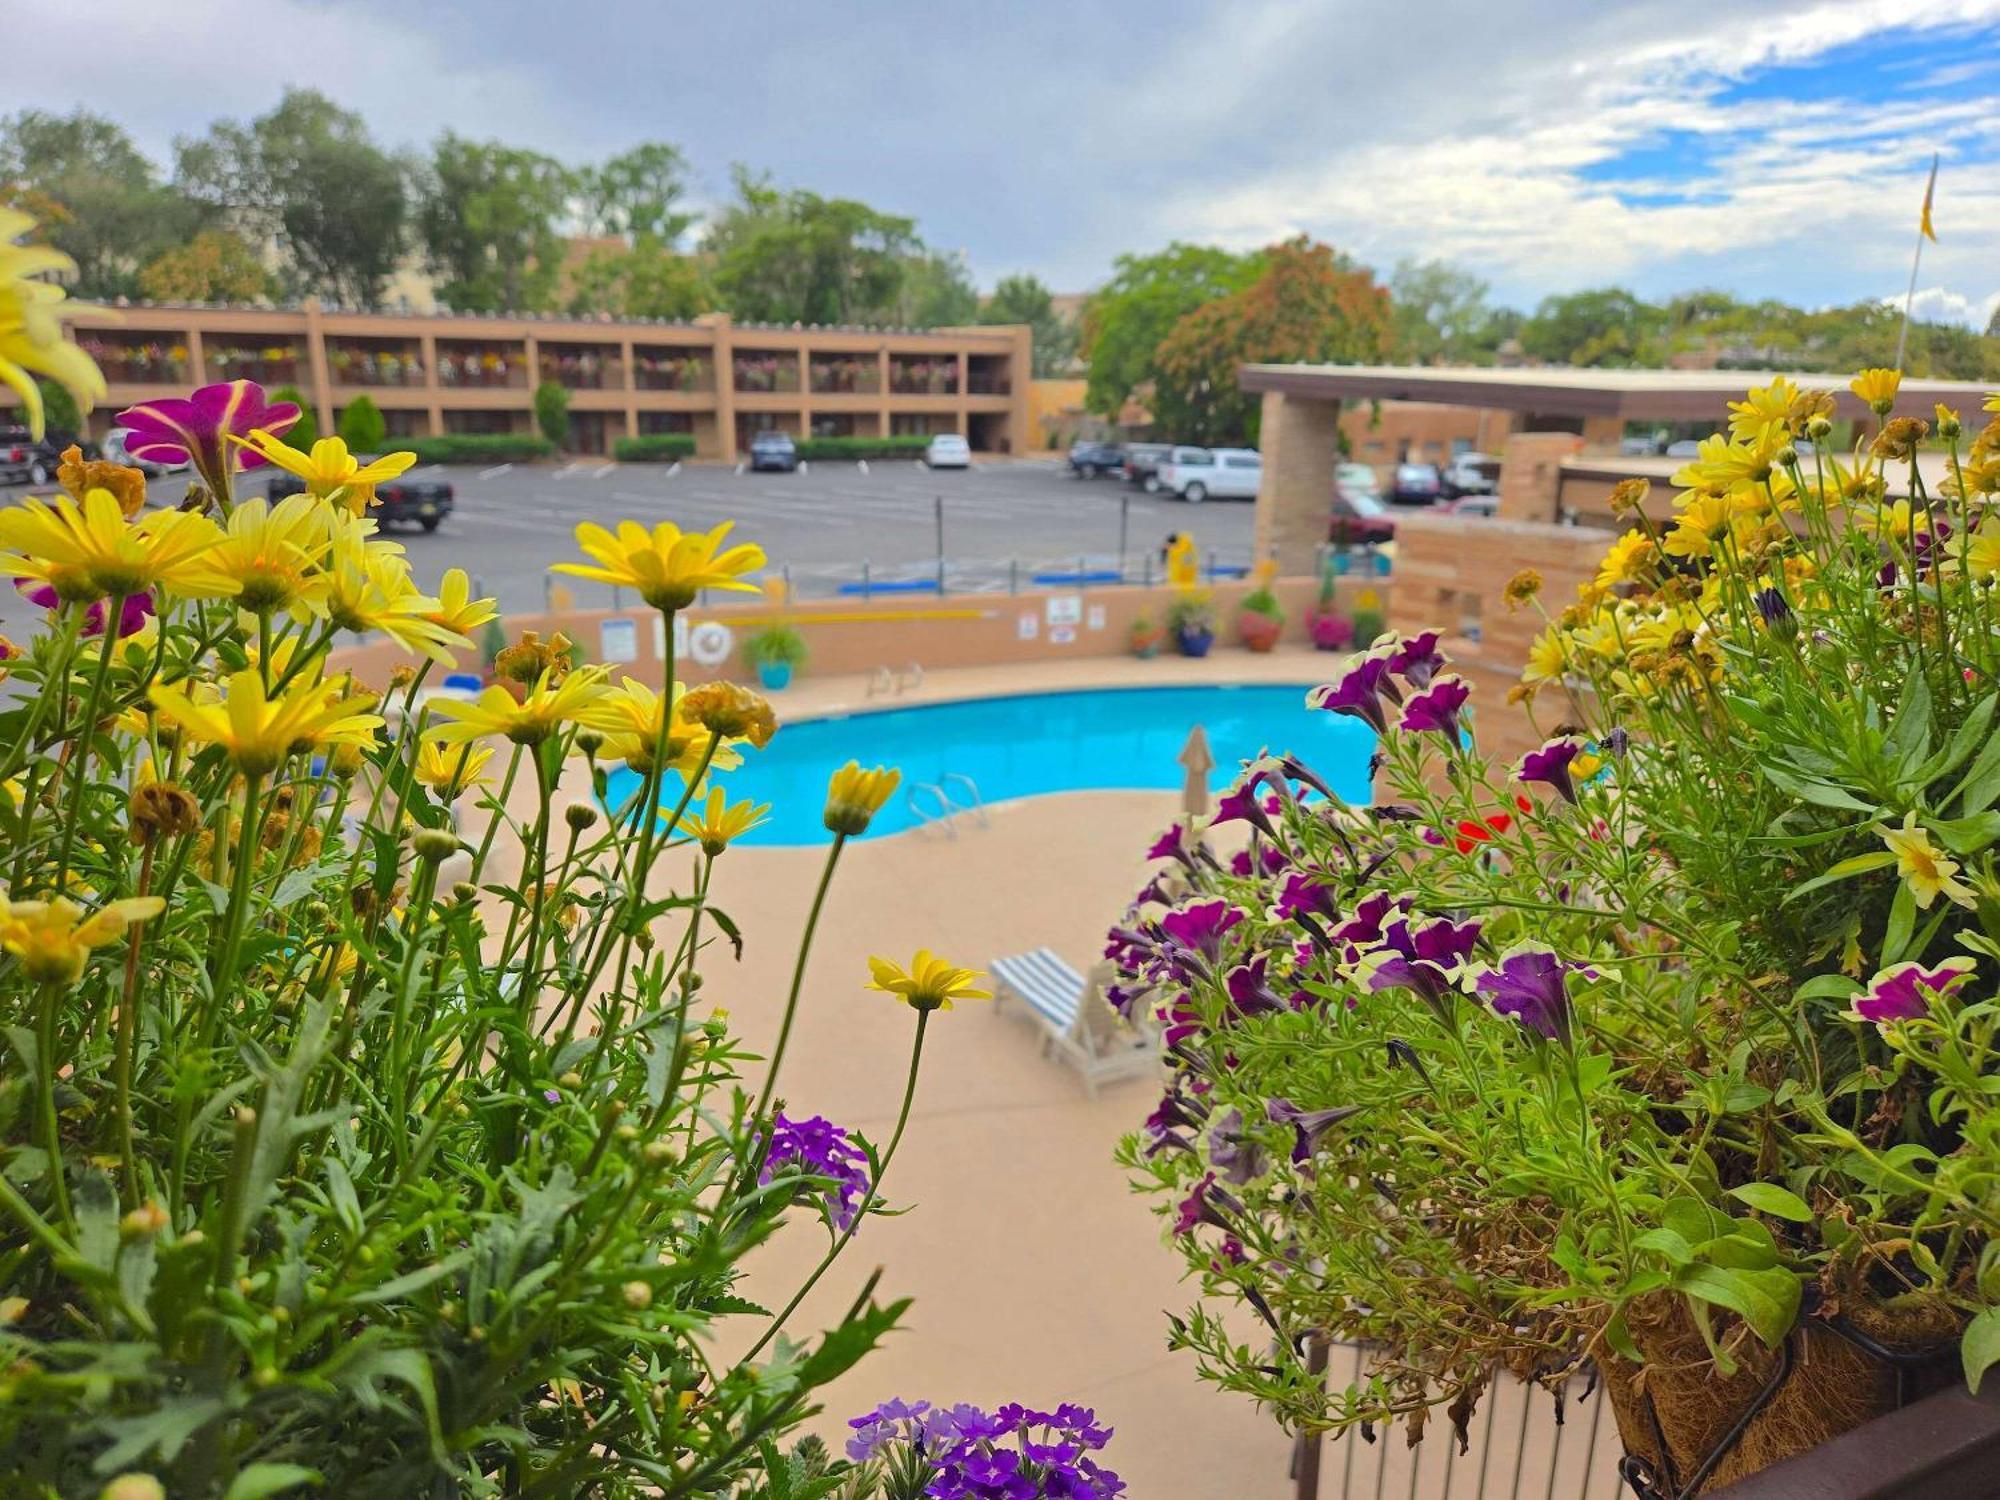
1770, 149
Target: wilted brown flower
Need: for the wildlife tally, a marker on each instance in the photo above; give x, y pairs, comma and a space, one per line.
733, 712
1627, 495
1899, 437
79, 475
1522, 587
528, 658
162, 809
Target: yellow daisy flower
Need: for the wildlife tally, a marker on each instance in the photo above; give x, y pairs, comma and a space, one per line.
450, 769
1982, 549
457, 610
1878, 389
1705, 522
51, 940
31, 324
1927, 870
929, 983
1628, 559
546, 707
90, 551
272, 554
260, 732
369, 588
854, 796
719, 821
329, 471
666, 566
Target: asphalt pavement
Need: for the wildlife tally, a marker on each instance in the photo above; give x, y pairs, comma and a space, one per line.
824, 528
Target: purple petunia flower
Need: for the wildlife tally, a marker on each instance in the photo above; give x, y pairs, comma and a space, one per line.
1905, 992
1550, 765
1359, 692
1303, 895
819, 1148
132, 616
1243, 863
1364, 928
1206, 1205
1198, 927
1249, 992
1436, 708
197, 430
1309, 1125
1236, 1155
1417, 659
1424, 960
1532, 986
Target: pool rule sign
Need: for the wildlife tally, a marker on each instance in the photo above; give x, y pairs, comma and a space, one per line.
1065, 613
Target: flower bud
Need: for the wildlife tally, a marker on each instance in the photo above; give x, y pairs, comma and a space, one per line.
580, 816
464, 892
133, 1487
435, 845
589, 741
345, 761
658, 1154
1819, 428
143, 1223
638, 1295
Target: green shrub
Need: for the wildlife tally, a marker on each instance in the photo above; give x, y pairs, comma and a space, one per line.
304, 432
653, 447
480, 447
552, 412
775, 645
60, 417
862, 447
1368, 623
361, 426
1261, 601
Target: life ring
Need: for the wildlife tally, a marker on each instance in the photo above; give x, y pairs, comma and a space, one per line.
710, 642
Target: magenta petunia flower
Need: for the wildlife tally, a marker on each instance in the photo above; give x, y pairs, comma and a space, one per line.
197, 430
1304, 895
1199, 926
1550, 765
1417, 659
1206, 1205
1905, 992
1436, 708
132, 617
1532, 986
1358, 693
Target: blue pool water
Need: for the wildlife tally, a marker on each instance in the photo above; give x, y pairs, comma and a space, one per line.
1103, 739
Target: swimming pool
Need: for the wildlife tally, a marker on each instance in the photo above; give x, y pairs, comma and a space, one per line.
1098, 739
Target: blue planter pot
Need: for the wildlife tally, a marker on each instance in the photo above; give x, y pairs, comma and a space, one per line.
774, 674
1194, 642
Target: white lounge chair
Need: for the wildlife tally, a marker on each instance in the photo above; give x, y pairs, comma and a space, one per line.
1075, 1018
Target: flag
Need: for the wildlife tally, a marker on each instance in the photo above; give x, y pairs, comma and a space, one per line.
1930, 191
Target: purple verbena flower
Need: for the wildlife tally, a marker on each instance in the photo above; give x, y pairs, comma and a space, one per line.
197, 429
819, 1148
1550, 765
1532, 986
1436, 708
1906, 991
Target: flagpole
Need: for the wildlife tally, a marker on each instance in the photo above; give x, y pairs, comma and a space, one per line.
1916, 260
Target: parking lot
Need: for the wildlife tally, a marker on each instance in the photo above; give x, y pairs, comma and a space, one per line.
1003, 522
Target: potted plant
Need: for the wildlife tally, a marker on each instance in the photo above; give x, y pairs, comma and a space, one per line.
775, 651
1330, 629
1192, 622
1146, 637
1260, 620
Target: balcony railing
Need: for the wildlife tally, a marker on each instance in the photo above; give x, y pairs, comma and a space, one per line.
482, 370
989, 385
374, 367
847, 377
139, 364
758, 373
270, 366
924, 377
584, 372
672, 373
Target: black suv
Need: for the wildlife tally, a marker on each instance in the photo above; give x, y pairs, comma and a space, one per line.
1096, 460
773, 450
25, 461
399, 502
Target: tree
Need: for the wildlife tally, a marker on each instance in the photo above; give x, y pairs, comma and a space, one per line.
649, 280
304, 432
1023, 299
1125, 320
1440, 313
214, 266
61, 417
362, 427
488, 220
1607, 326
937, 291
637, 194
309, 175
95, 196
552, 412
788, 256
1311, 305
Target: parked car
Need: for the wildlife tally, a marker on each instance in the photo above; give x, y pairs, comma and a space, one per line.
1475, 505
1096, 460
400, 502
1684, 448
1195, 474
773, 450
1360, 519
24, 460
1416, 484
948, 450
1142, 464
114, 452
1353, 480
1470, 474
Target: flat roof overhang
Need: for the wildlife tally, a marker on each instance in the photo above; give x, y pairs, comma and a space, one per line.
1628, 395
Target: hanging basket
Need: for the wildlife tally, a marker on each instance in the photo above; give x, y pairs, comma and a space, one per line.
1690, 1430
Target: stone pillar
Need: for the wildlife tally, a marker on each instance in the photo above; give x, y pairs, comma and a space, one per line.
1531, 474
1603, 434
1300, 442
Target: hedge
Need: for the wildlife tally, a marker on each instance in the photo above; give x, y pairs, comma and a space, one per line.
654, 447
862, 447
477, 447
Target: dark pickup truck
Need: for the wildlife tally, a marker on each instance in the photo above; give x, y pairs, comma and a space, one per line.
400, 502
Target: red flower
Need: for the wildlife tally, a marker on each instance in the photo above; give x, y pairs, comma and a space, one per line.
1472, 834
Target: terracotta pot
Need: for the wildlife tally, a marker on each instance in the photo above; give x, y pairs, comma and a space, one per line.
1258, 631
1146, 643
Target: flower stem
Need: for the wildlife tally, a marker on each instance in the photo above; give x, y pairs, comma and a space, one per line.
770, 1091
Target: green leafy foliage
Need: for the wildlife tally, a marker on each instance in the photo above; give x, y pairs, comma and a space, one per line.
657, 447
551, 403
362, 426
480, 447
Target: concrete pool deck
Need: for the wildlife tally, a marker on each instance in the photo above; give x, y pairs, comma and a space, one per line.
1037, 1275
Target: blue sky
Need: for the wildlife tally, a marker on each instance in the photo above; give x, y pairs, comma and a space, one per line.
1777, 149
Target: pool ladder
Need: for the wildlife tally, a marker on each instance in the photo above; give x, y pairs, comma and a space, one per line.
946, 810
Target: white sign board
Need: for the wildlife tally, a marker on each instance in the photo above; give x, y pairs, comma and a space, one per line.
1027, 627
618, 640
1095, 619
1065, 609
1062, 635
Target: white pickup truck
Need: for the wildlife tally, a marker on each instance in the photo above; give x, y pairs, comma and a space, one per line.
1196, 474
